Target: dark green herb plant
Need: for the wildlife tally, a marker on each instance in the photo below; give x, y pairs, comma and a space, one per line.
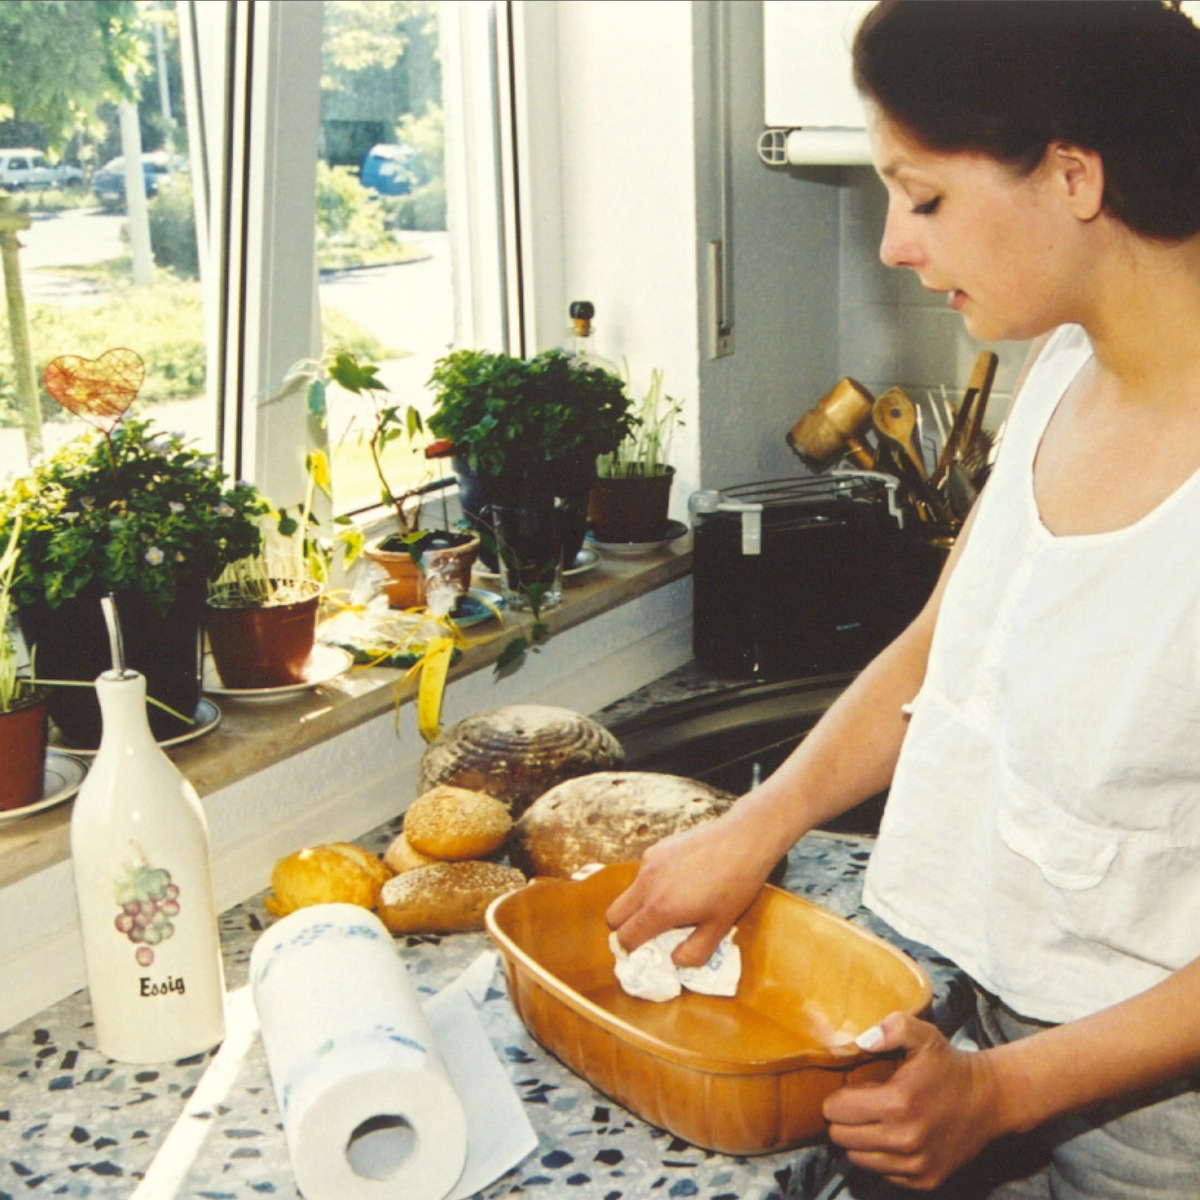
510, 415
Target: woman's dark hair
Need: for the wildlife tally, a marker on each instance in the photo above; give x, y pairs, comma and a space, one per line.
1008, 77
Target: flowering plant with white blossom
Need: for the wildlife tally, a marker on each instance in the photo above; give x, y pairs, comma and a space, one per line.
137, 510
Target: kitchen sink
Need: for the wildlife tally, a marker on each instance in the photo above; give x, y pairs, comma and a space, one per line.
733, 737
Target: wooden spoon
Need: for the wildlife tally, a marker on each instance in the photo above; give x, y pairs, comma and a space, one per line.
895, 418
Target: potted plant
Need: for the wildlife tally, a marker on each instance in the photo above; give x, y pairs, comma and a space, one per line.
261, 611
631, 496
144, 516
417, 559
525, 435
23, 716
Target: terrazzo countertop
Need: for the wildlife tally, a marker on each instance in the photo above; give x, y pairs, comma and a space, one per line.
75, 1123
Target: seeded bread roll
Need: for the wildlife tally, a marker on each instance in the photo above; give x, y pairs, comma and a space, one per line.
456, 823
400, 856
608, 817
445, 897
517, 752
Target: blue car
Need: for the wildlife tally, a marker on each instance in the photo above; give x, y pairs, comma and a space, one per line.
389, 169
108, 183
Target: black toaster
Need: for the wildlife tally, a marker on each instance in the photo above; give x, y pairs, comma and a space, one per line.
802, 577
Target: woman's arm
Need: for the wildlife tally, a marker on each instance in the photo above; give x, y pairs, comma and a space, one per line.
943, 1105
709, 875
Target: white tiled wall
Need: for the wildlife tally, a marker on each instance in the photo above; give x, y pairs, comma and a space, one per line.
894, 333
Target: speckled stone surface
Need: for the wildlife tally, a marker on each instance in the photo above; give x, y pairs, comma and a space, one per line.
74, 1123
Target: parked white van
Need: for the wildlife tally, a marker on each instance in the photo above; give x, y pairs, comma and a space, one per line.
27, 168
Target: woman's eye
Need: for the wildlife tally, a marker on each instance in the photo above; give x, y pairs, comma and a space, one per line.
928, 208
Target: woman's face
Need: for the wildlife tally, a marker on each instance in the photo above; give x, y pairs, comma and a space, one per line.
1002, 246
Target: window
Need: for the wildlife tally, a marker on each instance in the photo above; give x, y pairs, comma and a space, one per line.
397, 135
317, 88
259, 116
88, 269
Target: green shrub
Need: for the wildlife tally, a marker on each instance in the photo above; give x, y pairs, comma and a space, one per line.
173, 227
347, 212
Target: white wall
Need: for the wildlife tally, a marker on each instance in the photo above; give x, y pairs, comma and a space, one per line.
629, 194
637, 128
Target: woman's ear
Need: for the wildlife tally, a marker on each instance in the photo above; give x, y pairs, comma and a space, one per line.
1080, 173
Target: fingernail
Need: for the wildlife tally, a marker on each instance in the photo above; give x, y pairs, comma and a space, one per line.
870, 1039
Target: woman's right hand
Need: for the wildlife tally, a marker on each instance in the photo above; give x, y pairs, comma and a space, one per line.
698, 877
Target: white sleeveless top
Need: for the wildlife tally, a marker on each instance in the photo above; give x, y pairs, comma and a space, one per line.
1043, 825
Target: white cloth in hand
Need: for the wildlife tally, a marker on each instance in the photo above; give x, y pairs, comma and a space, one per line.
649, 973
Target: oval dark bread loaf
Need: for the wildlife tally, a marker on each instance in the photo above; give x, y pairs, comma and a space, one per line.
518, 752
608, 817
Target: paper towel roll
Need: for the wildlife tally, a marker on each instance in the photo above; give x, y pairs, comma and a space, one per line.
367, 1107
828, 147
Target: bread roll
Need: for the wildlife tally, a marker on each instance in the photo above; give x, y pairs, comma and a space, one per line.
339, 872
608, 817
456, 823
400, 856
445, 897
518, 752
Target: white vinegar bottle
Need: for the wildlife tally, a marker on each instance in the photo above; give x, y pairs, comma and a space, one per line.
139, 841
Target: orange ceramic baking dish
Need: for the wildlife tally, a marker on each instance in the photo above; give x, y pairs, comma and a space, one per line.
741, 1075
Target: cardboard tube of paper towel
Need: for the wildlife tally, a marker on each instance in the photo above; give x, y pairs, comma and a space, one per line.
367, 1108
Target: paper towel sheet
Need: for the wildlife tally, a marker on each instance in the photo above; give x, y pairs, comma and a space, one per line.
499, 1134
649, 973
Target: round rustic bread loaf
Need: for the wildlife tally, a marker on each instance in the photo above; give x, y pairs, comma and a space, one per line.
454, 823
518, 752
445, 897
608, 817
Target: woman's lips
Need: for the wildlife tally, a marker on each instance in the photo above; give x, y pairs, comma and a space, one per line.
956, 299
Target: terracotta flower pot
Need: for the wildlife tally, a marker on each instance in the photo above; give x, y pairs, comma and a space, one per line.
630, 508
23, 751
407, 578
263, 646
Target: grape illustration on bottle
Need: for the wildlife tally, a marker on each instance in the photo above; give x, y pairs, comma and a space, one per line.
148, 901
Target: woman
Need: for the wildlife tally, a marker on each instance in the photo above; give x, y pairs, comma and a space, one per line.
1039, 722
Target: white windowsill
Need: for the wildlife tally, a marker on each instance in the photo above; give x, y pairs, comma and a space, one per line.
334, 762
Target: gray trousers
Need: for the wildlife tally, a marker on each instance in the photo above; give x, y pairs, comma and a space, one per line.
1144, 1147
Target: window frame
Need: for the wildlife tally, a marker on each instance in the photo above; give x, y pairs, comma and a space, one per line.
252, 72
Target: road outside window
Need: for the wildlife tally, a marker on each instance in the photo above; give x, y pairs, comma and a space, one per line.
383, 246
76, 267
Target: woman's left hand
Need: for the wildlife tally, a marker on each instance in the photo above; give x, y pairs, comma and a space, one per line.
933, 1116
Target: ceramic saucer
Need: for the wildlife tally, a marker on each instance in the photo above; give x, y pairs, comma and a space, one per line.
324, 663
674, 529
476, 607
64, 774
204, 720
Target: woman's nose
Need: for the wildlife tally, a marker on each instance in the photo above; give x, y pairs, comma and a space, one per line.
899, 246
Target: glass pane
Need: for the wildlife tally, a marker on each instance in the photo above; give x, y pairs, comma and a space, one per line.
83, 286
383, 249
